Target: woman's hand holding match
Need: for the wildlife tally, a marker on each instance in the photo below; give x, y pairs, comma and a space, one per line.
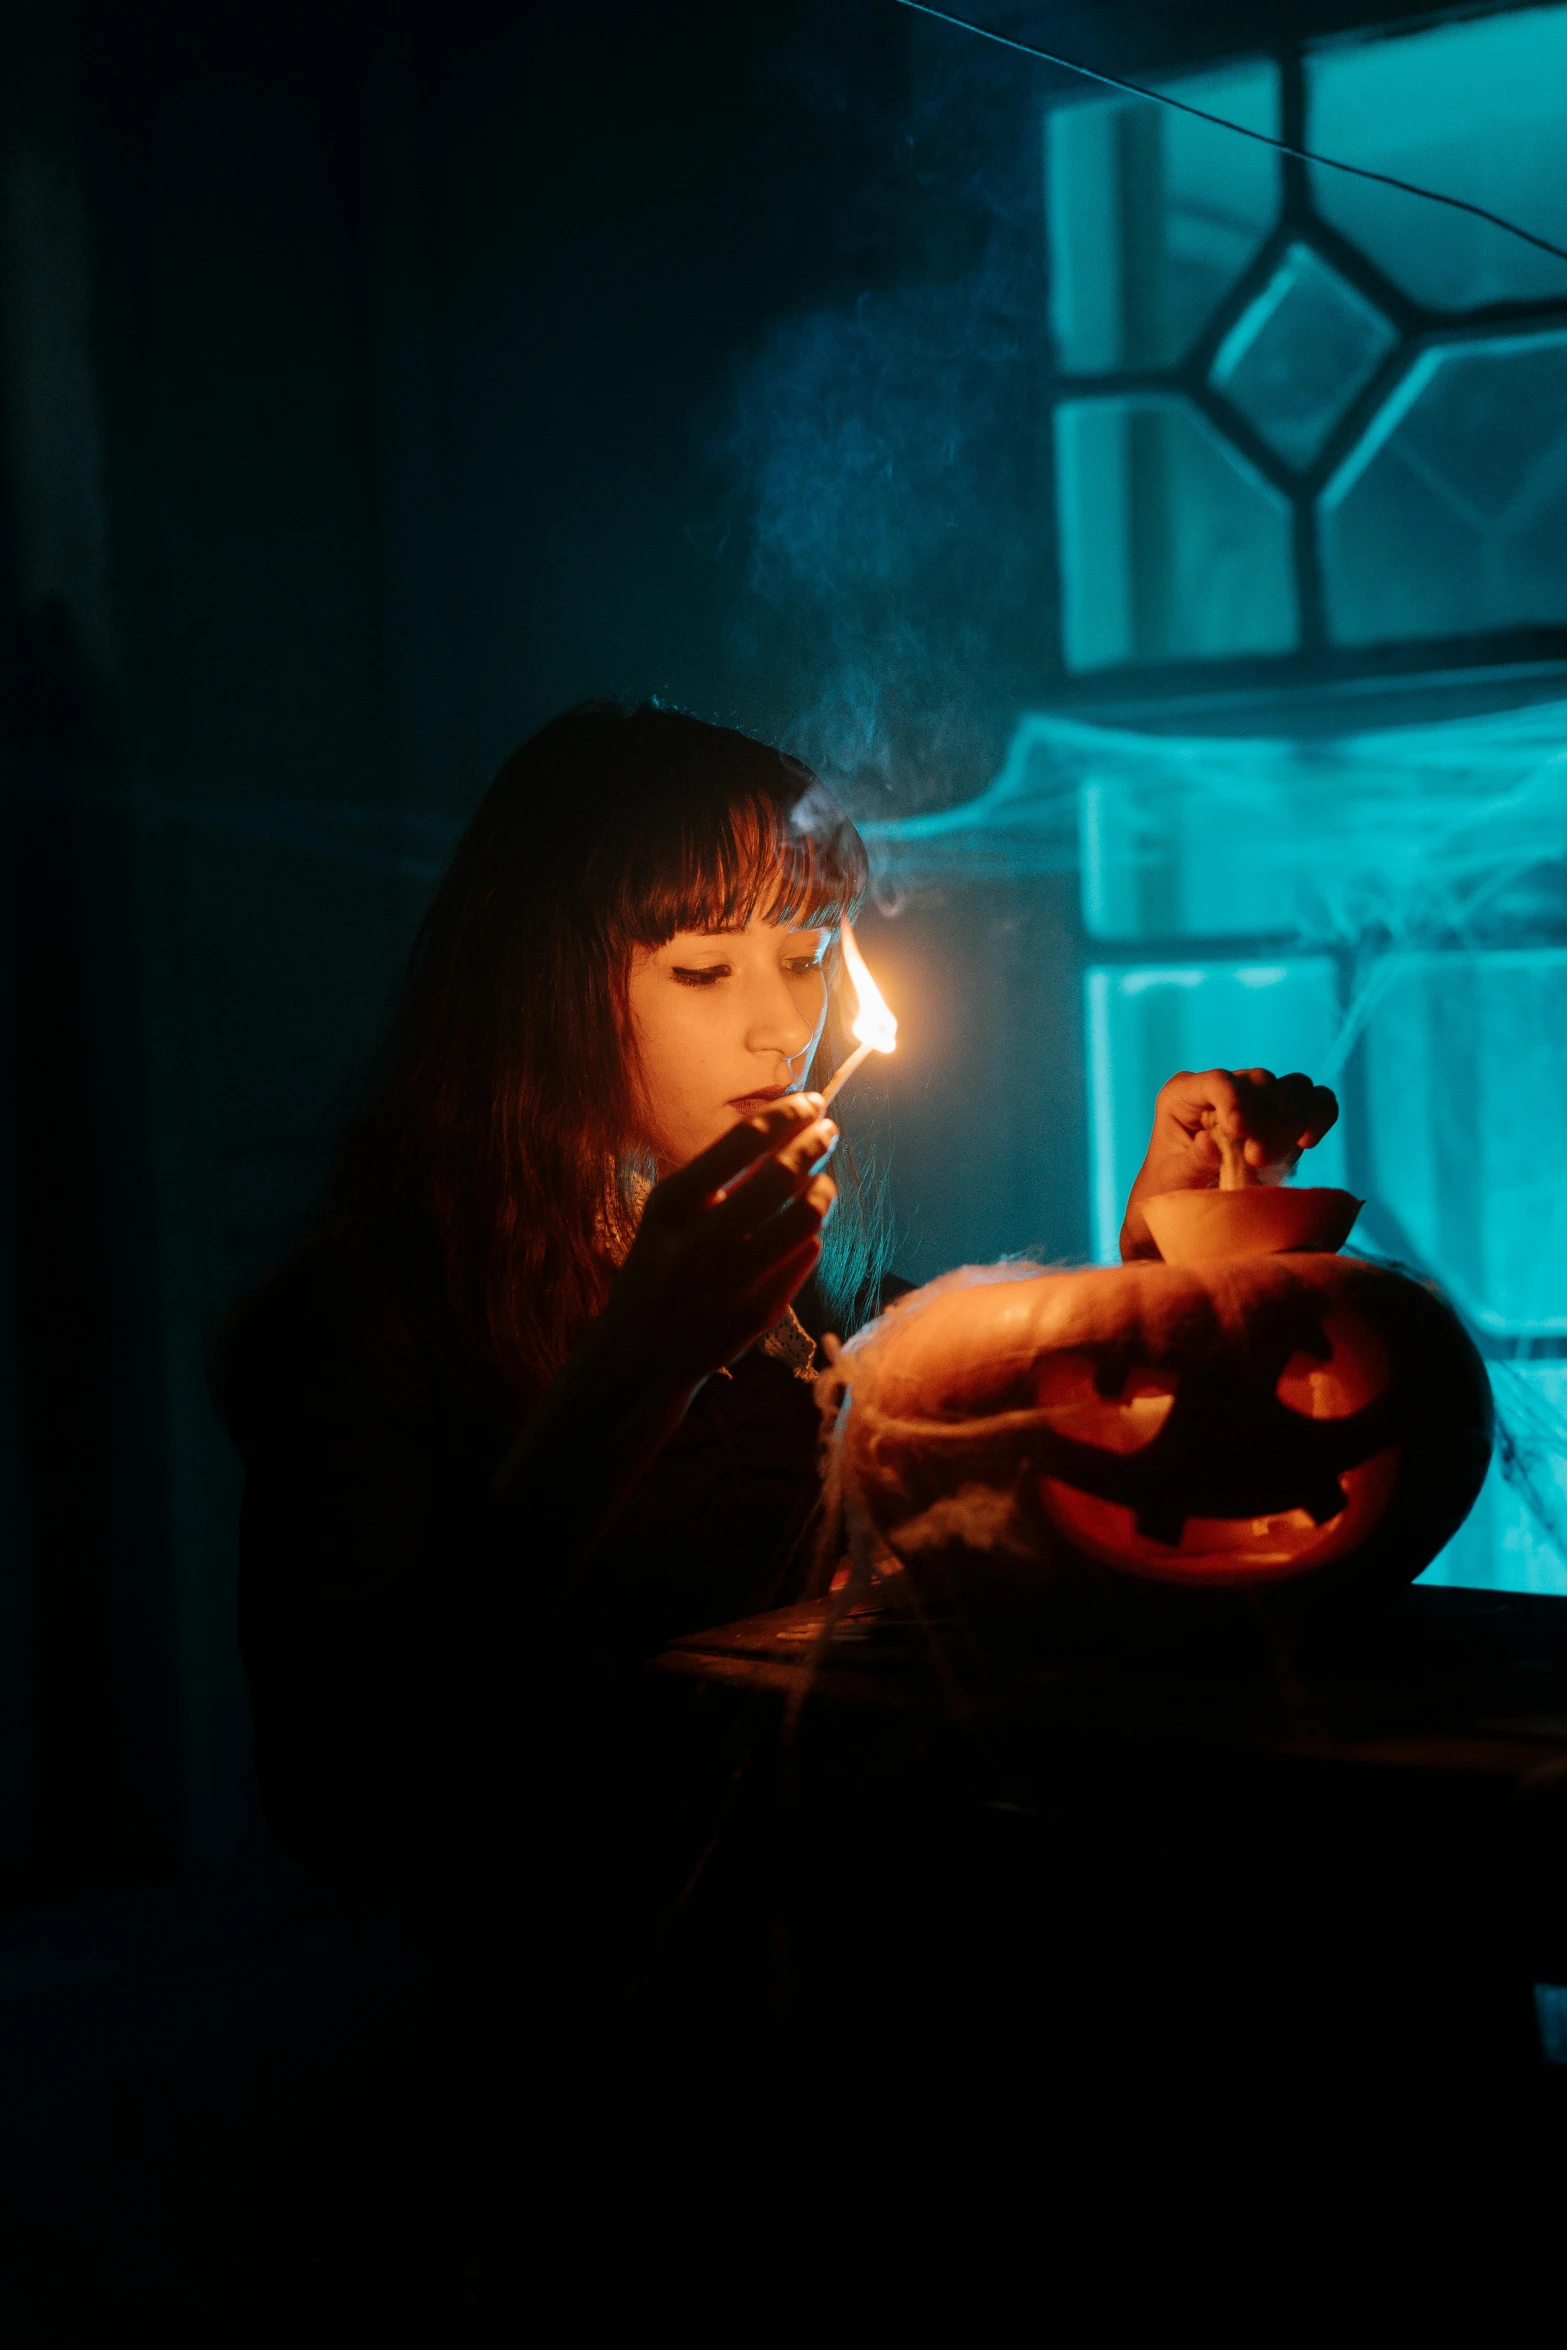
725, 1242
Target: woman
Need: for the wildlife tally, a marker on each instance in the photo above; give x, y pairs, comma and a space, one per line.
543, 1377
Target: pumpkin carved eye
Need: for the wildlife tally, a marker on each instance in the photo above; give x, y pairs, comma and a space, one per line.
1086, 1398
1353, 1372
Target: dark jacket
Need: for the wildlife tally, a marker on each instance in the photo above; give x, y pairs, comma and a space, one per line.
399, 1627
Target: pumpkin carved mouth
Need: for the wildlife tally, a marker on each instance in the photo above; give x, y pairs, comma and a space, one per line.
1221, 1471
1226, 1550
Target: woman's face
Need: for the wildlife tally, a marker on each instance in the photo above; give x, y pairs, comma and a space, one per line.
723, 1021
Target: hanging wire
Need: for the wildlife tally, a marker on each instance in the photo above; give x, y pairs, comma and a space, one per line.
1222, 122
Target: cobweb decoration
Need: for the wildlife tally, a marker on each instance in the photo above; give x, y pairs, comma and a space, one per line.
1430, 863
1414, 834
978, 1507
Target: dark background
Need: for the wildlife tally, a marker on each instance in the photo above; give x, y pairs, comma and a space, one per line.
377, 381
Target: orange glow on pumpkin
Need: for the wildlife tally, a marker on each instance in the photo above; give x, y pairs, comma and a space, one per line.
1335, 1386
1251, 1421
1225, 1550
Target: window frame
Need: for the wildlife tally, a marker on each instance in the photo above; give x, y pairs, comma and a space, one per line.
1316, 660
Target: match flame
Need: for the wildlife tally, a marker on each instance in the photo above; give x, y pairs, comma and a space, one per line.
873, 1023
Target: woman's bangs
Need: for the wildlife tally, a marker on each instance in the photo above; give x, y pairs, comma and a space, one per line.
804, 865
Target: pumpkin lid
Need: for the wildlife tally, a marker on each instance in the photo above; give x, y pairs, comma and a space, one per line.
1262, 1220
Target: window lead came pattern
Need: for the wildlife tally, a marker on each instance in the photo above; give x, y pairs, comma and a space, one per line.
1451, 515
1300, 354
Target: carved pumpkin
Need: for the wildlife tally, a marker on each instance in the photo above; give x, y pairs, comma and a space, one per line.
1232, 1423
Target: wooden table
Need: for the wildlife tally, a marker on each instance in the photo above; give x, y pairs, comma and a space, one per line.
1078, 1859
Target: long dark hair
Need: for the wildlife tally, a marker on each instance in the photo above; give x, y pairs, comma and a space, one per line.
497, 1155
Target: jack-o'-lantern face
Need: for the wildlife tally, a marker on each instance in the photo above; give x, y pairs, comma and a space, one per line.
1239, 1422
1225, 1471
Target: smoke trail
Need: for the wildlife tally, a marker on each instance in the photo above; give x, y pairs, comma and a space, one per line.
874, 456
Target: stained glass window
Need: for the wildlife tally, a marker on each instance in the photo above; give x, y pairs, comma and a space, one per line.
1297, 356
1307, 420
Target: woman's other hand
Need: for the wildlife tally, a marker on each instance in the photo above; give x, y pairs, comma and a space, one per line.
724, 1243
1275, 1118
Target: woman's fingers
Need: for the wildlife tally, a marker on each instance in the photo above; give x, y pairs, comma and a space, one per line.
1253, 1105
747, 1205
1286, 1116
1206, 1100
718, 1261
1321, 1114
767, 1300
743, 1146
801, 1220
769, 1272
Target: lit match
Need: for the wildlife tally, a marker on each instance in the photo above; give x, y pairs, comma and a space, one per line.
873, 1024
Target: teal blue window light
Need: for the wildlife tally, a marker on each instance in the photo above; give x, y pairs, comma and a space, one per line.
1466, 1069
1450, 517
1300, 353
1387, 909
1478, 110
1173, 546
1154, 216
1394, 870
1402, 836
1145, 1022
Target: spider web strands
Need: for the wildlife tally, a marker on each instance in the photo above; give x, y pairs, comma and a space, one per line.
1530, 1439
1411, 837
1359, 171
1411, 883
